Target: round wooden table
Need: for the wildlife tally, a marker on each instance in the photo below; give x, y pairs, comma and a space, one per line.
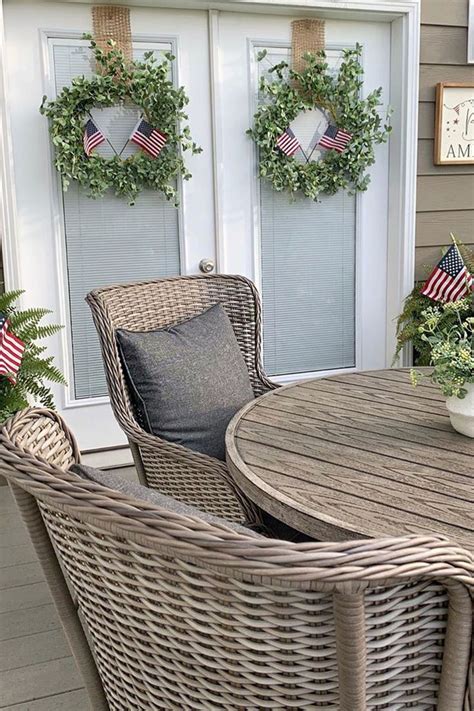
356, 455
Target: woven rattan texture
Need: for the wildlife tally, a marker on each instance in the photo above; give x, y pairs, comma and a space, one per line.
112, 22
188, 476
186, 615
306, 36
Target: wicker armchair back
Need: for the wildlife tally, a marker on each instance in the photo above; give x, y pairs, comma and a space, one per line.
188, 476
181, 614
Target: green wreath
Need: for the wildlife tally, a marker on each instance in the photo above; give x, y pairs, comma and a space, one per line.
144, 84
352, 120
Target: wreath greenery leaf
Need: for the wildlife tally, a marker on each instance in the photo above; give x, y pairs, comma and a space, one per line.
144, 84
339, 96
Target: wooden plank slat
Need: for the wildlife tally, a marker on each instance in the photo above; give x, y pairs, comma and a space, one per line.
423, 391
434, 422
37, 680
382, 440
361, 454
445, 193
446, 441
443, 45
431, 74
23, 574
425, 260
401, 376
334, 504
426, 165
11, 555
441, 12
20, 623
347, 467
67, 701
33, 649
426, 119
433, 228
402, 400
25, 596
14, 536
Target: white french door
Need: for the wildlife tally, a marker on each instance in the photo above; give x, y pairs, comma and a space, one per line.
320, 266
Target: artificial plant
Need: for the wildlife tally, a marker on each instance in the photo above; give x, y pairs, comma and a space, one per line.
285, 93
35, 369
146, 85
411, 318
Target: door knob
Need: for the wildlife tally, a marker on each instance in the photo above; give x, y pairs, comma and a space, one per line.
206, 265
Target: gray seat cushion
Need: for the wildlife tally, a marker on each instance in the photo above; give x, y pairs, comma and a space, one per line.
143, 493
188, 380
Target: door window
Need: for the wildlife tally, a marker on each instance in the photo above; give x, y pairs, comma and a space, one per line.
307, 264
106, 240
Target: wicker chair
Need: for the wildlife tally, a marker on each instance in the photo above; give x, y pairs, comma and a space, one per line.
181, 614
175, 470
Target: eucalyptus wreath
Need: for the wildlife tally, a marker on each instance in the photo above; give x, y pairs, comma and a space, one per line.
145, 84
285, 93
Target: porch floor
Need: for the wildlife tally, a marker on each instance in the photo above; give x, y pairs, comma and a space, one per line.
37, 671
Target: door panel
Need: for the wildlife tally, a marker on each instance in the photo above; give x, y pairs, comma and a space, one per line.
69, 243
320, 266
106, 241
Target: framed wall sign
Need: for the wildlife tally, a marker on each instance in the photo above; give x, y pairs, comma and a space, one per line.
454, 124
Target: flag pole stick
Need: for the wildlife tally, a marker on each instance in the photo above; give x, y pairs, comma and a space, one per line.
454, 239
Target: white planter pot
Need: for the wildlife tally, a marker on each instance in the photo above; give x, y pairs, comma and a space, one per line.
461, 412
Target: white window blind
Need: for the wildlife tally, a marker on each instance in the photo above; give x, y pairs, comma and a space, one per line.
308, 252
106, 240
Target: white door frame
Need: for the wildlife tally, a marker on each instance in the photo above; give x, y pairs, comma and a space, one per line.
404, 16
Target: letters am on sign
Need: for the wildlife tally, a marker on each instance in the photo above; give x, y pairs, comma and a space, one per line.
454, 128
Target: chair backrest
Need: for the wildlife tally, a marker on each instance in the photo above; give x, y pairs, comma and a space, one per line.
184, 614
155, 304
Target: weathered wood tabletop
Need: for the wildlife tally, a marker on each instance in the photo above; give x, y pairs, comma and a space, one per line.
356, 455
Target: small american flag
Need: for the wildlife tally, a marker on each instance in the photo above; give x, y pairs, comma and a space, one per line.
148, 138
93, 137
11, 351
335, 138
288, 143
450, 279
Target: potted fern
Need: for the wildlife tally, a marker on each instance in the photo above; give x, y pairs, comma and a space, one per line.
28, 385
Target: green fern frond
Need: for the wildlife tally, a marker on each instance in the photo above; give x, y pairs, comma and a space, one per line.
8, 299
30, 386
49, 330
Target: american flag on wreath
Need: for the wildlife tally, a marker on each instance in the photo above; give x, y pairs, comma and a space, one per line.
450, 279
93, 137
148, 138
11, 351
335, 138
288, 143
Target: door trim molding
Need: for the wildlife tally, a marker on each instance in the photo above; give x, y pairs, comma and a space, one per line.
8, 207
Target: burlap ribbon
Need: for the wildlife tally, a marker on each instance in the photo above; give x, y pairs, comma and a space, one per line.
112, 22
306, 36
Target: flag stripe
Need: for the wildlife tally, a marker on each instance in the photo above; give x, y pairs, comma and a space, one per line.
148, 138
437, 278
454, 284
288, 143
438, 291
11, 351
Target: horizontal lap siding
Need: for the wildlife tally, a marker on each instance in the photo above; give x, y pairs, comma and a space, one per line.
445, 194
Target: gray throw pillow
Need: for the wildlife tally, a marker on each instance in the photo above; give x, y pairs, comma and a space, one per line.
187, 380
143, 493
